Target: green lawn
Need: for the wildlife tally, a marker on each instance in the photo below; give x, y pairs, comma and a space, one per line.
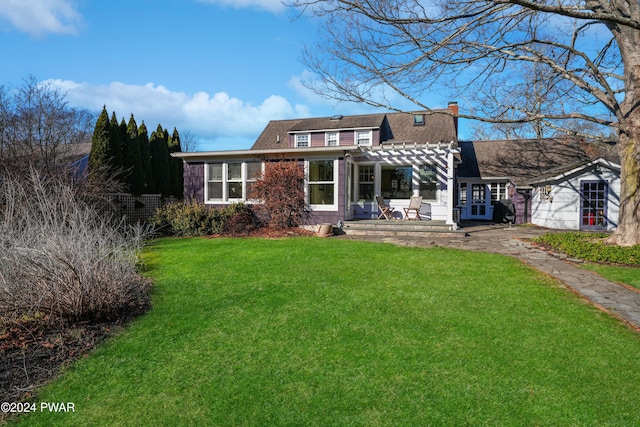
615, 273
325, 332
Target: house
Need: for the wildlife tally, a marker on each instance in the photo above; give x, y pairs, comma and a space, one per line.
559, 183
348, 161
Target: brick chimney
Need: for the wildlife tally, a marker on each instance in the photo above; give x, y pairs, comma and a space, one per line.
453, 107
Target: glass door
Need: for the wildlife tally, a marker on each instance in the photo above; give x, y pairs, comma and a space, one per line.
593, 209
478, 201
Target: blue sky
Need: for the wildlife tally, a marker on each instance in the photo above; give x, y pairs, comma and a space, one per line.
219, 69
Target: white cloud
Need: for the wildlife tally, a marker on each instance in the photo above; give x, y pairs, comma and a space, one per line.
217, 117
37, 17
268, 5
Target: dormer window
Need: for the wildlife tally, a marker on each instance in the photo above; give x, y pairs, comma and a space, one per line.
363, 137
332, 139
418, 119
302, 140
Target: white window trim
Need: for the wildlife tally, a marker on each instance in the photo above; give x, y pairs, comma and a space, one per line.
326, 139
225, 182
308, 135
545, 193
370, 137
501, 189
356, 195
320, 208
436, 200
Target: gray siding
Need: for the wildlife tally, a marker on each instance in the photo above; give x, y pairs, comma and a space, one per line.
194, 182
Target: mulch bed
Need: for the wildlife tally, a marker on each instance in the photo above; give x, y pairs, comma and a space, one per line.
271, 233
32, 352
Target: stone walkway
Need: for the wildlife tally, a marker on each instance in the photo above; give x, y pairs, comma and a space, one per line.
618, 300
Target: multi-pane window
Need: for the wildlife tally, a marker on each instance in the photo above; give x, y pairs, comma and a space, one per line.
428, 182
214, 181
234, 180
498, 191
332, 139
594, 205
302, 140
462, 194
321, 182
545, 193
365, 182
478, 199
363, 137
230, 181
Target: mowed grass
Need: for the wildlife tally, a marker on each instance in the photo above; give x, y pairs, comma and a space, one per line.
325, 332
617, 273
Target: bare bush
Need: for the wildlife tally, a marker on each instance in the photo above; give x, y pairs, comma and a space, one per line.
280, 190
61, 258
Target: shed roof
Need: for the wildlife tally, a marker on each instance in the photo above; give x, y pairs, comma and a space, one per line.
523, 160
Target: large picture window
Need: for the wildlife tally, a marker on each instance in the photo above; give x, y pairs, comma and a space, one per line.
396, 182
429, 182
321, 182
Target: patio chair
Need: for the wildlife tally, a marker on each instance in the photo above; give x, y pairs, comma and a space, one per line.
385, 210
413, 211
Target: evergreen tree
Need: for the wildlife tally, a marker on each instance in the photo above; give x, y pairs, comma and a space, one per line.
133, 159
176, 165
99, 157
159, 150
115, 145
145, 157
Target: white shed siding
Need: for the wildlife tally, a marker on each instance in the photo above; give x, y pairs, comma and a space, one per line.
562, 210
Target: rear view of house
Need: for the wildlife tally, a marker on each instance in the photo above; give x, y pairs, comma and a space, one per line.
348, 160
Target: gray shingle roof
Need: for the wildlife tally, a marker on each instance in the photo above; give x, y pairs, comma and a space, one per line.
274, 135
438, 127
395, 128
346, 122
524, 159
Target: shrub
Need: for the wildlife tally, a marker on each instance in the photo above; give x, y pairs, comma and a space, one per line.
281, 192
591, 247
242, 222
61, 258
196, 219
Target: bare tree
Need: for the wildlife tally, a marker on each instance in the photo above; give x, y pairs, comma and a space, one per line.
37, 125
534, 91
376, 50
188, 142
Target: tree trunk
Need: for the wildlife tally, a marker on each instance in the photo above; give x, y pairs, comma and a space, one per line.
628, 231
